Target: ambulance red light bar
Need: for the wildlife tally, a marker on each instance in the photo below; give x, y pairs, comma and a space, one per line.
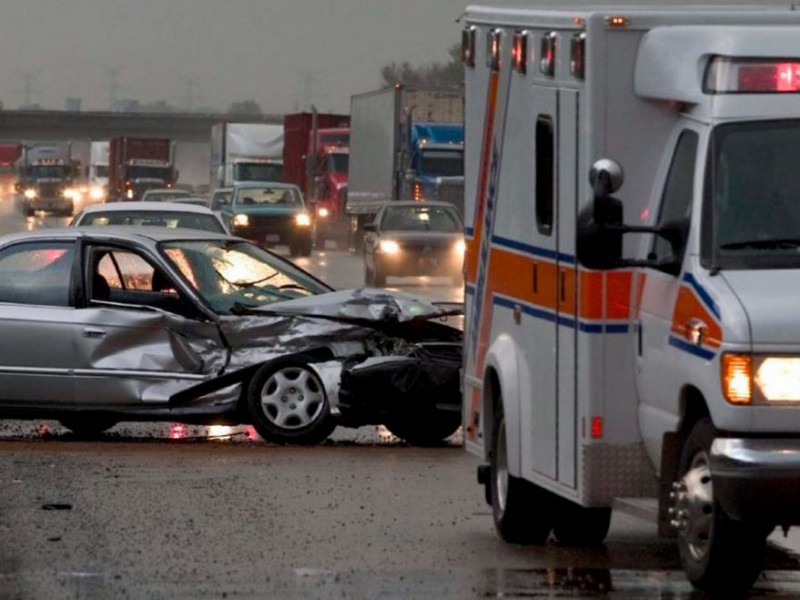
577, 55
468, 46
726, 75
547, 62
493, 49
519, 52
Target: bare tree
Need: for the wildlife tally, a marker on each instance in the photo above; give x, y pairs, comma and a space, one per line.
434, 73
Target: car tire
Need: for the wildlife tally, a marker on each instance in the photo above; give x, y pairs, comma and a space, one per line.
523, 512
88, 425
576, 525
430, 429
718, 555
287, 403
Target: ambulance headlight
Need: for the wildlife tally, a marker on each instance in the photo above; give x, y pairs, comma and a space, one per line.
241, 220
778, 378
749, 379
30, 193
388, 247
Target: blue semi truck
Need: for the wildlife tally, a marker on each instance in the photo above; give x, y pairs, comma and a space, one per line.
406, 143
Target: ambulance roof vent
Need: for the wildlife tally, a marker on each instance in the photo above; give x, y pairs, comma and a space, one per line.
672, 62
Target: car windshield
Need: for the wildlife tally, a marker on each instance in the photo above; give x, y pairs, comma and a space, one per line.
421, 218
752, 196
268, 196
49, 171
339, 163
144, 218
258, 172
234, 276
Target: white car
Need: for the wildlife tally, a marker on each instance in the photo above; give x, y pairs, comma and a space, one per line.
151, 214
164, 194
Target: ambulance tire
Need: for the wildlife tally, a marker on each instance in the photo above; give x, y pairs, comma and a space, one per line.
523, 512
580, 526
718, 555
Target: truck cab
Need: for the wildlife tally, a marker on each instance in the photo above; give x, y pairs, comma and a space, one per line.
436, 163
46, 176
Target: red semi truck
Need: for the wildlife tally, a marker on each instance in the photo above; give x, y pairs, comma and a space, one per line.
315, 157
139, 164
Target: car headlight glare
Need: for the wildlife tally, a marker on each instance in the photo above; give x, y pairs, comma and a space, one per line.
70, 194
323, 212
129, 194
461, 247
97, 193
241, 220
389, 247
302, 219
30, 193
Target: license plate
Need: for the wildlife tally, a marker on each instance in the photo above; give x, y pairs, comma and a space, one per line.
272, 237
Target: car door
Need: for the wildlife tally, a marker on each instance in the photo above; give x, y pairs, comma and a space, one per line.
144, 341
38, 323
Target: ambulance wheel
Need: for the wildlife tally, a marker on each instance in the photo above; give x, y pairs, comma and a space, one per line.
523, 512
718, 554
579, 526
288, 404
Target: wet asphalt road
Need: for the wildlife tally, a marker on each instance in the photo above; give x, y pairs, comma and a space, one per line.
167, 511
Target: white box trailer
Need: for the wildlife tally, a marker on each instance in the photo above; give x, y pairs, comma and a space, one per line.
600, 373
246, 152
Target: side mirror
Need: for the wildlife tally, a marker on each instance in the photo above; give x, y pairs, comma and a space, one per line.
218, 203
600, 226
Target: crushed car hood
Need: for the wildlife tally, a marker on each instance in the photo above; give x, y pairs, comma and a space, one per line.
365, 305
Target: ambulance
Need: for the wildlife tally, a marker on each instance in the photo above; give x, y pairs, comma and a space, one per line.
632, 327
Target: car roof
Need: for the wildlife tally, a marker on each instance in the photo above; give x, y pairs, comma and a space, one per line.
167, 191
147, 235
147, 206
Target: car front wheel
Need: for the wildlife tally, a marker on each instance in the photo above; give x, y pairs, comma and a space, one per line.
288, 404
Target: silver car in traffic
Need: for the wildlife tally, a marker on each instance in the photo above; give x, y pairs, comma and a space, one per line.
101, 325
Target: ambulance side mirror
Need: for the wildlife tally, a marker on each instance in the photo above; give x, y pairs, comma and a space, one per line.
600, 226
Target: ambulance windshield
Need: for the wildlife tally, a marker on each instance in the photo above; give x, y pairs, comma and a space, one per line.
751, 216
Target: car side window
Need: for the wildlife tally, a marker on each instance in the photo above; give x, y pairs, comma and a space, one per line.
37, 273
131, 279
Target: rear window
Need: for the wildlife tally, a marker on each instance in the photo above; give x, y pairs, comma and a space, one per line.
170, 220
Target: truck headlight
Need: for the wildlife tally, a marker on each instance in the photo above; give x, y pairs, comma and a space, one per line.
97, 192
776, 378
30, 193
388, 247
302, 219
71, 194
241, 220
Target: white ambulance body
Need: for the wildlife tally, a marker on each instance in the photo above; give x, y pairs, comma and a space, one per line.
597, 374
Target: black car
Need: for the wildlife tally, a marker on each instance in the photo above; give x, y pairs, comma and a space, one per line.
410, 238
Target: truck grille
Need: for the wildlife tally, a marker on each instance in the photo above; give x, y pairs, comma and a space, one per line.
49, 190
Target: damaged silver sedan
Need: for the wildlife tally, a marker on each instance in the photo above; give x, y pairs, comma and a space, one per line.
103, 326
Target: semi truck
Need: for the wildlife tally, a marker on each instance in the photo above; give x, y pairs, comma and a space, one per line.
631, 333
243, 152
97, 176
315, 158
139, 164
405, 143
10, 153
46, 175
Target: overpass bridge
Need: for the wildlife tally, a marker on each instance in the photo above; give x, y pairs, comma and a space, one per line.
190, 131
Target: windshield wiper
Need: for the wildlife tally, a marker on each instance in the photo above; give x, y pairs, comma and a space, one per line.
763, 244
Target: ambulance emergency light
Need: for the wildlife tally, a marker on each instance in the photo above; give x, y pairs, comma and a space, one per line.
729, 75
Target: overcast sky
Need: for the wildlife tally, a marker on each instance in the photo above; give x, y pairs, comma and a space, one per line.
284, 54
